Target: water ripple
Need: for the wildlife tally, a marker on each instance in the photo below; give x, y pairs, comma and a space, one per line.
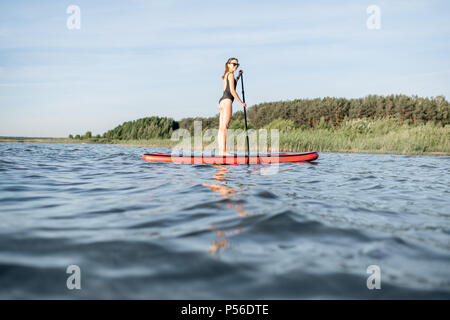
162, 230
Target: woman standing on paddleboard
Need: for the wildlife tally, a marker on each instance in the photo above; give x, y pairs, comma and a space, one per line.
225, 108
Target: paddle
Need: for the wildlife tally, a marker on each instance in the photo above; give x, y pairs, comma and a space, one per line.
245, 116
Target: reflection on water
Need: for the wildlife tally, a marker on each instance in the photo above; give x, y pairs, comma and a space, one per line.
227, 192
221, 185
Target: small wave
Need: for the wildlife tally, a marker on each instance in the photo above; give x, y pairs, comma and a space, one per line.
291, 225
23, 199
265, 194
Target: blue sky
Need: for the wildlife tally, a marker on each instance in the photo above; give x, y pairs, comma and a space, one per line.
139, 58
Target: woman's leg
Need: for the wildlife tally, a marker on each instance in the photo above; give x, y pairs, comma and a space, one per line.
225, 108
219, 134
219, 140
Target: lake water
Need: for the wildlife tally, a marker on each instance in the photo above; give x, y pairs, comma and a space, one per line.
173, 231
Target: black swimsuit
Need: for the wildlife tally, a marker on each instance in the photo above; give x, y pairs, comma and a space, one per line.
227, 93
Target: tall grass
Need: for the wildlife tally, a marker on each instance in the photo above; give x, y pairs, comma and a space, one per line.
365, 135
387, 135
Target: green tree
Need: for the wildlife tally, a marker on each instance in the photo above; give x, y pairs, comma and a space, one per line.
144, 128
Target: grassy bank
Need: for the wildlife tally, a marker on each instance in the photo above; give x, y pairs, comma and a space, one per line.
360, 135
371, 136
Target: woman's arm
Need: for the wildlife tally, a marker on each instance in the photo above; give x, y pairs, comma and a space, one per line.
232, 90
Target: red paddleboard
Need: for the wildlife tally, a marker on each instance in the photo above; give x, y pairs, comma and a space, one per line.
235, 159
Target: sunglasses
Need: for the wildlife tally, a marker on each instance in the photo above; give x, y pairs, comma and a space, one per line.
235, 64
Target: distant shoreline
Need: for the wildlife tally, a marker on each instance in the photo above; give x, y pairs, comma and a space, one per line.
167, 143
394, 124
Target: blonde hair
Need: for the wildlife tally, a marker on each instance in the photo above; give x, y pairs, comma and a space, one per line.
226, 66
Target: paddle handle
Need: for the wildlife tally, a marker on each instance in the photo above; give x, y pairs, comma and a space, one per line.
245, 116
